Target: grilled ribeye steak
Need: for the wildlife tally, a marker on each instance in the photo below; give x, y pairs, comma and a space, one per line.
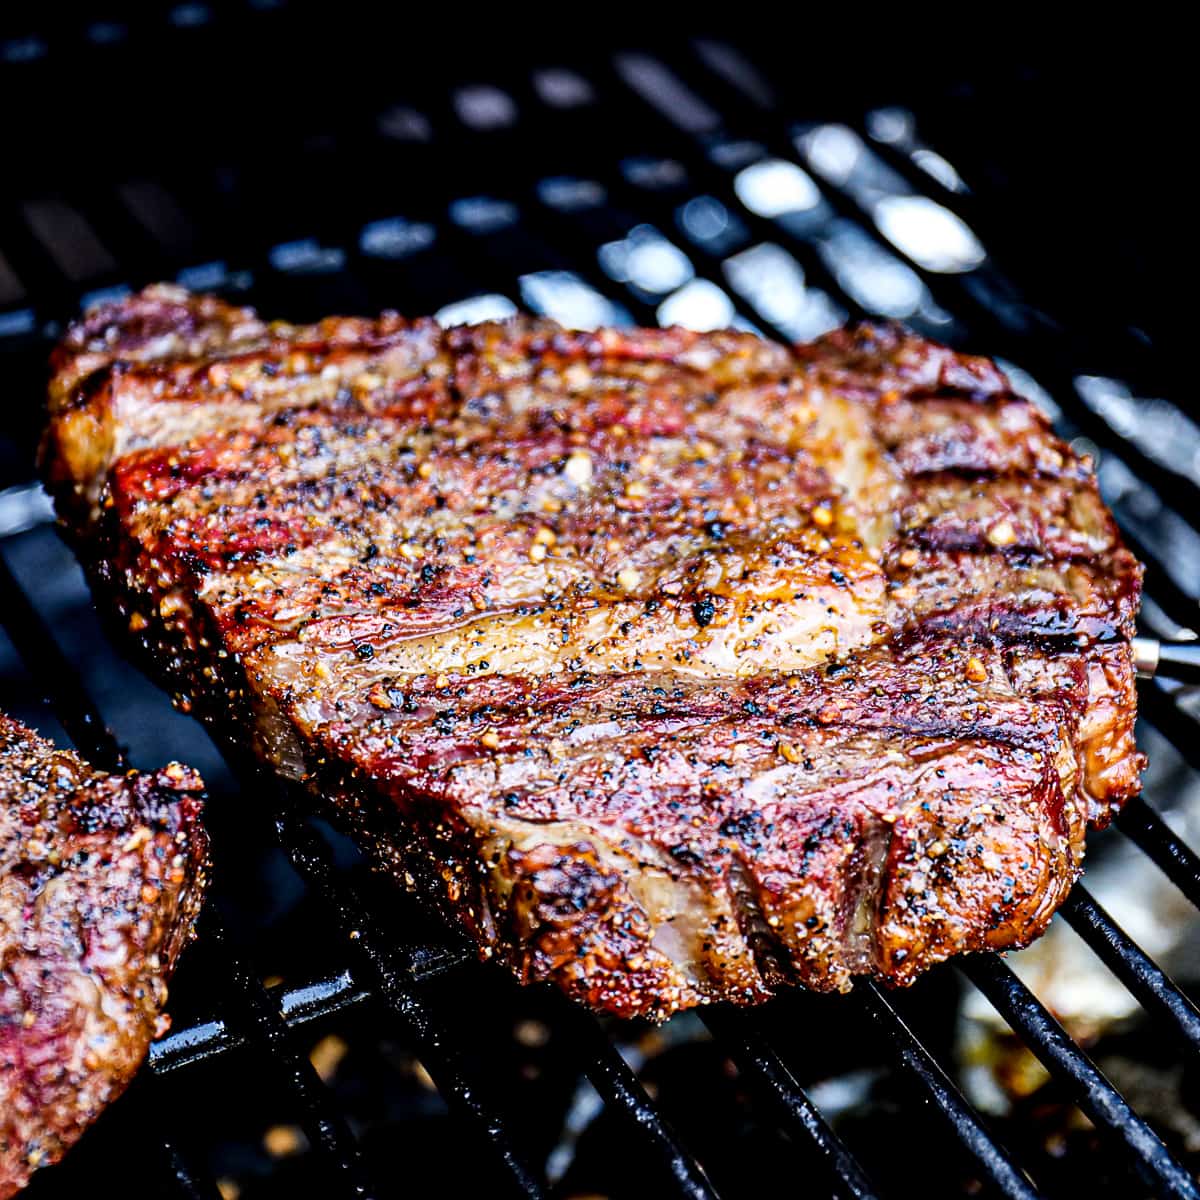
675, 665
101, 877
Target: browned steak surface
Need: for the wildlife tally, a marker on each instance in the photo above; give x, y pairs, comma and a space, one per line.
101, 877
674, 666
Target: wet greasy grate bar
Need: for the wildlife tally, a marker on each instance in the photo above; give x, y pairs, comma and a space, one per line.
594, 242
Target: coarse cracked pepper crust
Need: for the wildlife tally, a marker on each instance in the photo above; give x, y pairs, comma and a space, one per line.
673, 666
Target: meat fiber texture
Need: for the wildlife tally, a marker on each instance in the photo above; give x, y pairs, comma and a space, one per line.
672, 666
101, 877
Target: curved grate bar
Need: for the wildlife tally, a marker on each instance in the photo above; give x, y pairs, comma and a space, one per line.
1066, 1061
1146, 980
998, 1169
796, 1113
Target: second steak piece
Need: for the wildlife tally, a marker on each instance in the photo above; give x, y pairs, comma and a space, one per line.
101, 877
673, 666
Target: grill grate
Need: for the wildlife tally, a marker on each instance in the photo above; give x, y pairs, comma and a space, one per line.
616, 236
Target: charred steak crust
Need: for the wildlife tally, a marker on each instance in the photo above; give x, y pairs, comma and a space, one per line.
101, 877
675, 666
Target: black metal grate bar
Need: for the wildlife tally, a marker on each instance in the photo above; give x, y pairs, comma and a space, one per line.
703, 175
189, 1185
896, 154
298, 1005
386, 975
72, 704
1159, 704
706, 176
959, 294
983, 305
1131, 965
1142, 825
1146, 980
796, 1113
82, 721
326, 1129
996, 1166
1065, 1060
1112, 339
619, 1088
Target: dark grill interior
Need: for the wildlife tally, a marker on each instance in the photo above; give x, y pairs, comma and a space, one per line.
320, 1017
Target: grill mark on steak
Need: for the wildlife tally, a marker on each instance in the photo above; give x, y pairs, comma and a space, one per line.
1015, 515
101, 877
675, 666
930, 434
